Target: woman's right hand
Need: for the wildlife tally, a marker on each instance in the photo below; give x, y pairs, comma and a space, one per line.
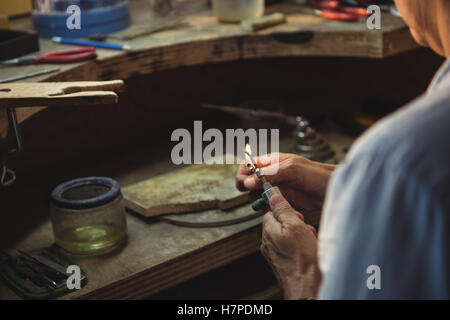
303, 182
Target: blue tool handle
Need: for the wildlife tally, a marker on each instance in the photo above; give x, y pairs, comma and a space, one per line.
97, 44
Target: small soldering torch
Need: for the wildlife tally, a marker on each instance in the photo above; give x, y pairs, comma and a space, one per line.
269, 191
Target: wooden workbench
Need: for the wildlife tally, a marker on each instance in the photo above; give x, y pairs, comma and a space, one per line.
158, 255
204, 40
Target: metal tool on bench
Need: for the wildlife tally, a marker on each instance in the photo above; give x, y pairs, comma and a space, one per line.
30, 75
38, 274
57, 270
334, 10
29, 271
247, 113
60, 56
139, 30
310, 144
45, 94
8, 176
350, 10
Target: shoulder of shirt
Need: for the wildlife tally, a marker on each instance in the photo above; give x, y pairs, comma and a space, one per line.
414, 140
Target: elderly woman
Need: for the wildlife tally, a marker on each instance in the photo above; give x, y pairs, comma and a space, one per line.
385, 229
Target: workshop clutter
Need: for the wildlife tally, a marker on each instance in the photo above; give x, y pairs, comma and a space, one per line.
41, 273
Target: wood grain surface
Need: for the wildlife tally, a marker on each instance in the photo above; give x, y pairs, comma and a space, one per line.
202, 39
46, 94
156, 256
194, 188
59, 93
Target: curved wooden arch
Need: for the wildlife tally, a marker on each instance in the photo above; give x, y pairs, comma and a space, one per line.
204, 40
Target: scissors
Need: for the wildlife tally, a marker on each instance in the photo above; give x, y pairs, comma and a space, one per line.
333, 10
61, 56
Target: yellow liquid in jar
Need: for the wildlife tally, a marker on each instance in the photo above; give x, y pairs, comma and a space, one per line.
90, 239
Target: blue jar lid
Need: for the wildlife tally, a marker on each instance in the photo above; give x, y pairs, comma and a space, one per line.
99, 20
85, 193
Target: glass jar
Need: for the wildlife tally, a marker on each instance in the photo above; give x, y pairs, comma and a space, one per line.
237, 10
88, 215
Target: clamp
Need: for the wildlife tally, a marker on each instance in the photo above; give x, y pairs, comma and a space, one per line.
46, 94
8, 176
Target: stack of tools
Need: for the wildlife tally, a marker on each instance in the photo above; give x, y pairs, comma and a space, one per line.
334, 10
348, 10
60, 56
310, 144
38, 274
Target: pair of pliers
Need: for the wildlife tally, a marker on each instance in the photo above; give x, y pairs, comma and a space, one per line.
333, 10
60, 56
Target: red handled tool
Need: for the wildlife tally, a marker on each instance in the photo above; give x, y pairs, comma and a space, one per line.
332, 10
361, 12
61, 56
325, 4
338, 16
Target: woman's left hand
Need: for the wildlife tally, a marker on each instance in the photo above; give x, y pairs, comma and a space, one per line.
290, 247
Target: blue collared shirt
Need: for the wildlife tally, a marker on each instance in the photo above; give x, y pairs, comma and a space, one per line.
388, 206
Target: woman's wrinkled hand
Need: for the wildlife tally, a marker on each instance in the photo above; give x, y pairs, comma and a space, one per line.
290, 247
302, 181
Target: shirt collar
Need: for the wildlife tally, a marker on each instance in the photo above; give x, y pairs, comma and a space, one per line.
443, 73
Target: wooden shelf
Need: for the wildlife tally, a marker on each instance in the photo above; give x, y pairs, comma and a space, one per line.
157, 255
204, 40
